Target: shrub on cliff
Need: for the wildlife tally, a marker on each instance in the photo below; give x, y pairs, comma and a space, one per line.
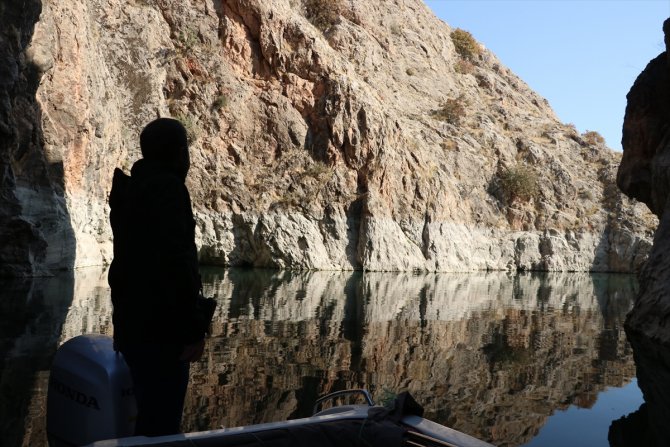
519, 183
466, 45
593, 138
191, 125
324, 13
463, 66
221, 102
452, 110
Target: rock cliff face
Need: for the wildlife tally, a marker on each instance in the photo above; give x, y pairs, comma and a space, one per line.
36, 233
326, 135
643, 174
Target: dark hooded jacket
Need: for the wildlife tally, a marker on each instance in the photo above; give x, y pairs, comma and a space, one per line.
154, 275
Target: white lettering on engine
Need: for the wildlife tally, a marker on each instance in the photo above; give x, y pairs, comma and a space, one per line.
75, 395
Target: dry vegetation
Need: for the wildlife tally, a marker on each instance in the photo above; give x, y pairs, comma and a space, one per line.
466, 45
323, 14
453, 110
519, 183
593, 138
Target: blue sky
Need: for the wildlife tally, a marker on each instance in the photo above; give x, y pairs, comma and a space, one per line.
581, 55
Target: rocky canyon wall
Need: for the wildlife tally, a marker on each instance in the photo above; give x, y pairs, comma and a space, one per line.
325, 135
643, 174
36, 233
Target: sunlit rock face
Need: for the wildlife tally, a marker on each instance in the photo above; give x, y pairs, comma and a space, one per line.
313, 148
643, 174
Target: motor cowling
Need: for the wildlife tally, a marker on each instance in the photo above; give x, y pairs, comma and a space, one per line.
90, 395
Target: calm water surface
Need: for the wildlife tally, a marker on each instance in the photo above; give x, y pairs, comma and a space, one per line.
533, 359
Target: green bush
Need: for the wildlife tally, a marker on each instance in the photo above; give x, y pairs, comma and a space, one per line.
520, 183
188, 39
466, 45
452, 110
221, 102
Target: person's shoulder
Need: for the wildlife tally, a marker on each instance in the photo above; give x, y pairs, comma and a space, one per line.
155, 187
155, 176
120, 179
120, 185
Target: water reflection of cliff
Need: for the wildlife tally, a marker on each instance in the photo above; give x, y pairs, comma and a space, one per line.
32, 311
490, 354
648, 426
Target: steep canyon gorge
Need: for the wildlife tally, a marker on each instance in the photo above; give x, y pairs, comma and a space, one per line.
334, 135
325, 135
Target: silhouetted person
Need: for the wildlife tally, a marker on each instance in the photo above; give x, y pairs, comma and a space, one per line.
154, 276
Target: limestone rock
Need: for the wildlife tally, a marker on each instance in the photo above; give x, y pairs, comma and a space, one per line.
315, 145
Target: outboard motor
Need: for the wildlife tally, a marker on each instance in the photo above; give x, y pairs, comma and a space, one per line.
90, 394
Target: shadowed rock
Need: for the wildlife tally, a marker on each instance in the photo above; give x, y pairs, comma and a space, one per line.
36, 235
644, 175
647, 426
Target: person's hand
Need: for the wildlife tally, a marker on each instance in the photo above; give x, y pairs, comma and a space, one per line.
193, 352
